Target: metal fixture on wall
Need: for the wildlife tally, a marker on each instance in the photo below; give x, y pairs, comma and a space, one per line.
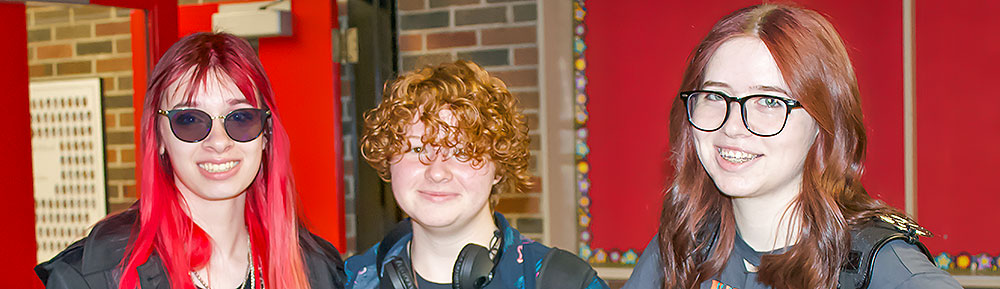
255, 19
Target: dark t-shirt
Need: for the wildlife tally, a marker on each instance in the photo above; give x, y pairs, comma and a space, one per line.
897, 265
424, 284
421, 282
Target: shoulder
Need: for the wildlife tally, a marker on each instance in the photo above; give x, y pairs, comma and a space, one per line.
517, 244
539, 259
69, 261
900, 260
360, 270
326, 268
316, 248
648, 270
564, 269
361, 260
100, 251
902, 265
529, 248
519, 249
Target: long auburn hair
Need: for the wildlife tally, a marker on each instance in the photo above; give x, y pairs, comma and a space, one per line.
164, 227
815, 65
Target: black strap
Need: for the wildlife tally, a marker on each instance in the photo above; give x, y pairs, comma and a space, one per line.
866, 240
706, 237
563, 270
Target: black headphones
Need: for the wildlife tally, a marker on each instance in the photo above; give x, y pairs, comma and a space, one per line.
474, 268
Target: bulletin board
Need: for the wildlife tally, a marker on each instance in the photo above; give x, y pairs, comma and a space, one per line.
67, 151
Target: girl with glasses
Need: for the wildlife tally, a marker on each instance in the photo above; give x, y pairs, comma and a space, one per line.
217, 208
768, 141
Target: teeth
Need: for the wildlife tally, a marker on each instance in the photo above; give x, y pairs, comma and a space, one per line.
736, 156
218, 168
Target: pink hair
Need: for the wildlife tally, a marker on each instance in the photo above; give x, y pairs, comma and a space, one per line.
270, 215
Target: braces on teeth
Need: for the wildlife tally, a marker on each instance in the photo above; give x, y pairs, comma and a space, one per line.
736, 156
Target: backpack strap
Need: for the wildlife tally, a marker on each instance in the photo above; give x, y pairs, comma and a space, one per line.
563, 270
866, 240
706, 237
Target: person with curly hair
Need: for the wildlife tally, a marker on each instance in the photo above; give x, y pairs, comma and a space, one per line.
768, 142
450, 139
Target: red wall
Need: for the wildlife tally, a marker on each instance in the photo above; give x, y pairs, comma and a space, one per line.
873, 34
306, 79
17, 208
958, 125
635, 57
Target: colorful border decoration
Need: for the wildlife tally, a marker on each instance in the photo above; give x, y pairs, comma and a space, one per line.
967, 264
597, 256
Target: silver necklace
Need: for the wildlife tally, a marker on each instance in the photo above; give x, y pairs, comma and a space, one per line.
250, 272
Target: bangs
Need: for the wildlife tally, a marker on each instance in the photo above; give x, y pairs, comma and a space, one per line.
199, 78
460, 106
446, 124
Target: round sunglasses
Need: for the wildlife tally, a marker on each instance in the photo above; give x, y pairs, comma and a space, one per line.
194, 125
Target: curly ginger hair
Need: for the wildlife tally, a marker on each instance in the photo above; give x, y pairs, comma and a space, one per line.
488, 126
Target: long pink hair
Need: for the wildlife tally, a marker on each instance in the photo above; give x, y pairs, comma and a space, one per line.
814, 62
164, 227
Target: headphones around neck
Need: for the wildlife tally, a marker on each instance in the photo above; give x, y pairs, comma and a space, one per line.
474, 267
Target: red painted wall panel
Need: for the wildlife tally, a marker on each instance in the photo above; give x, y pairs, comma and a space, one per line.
636, 55
17, 209
873, 34
195, 18
958, 124
153, 29
306, 81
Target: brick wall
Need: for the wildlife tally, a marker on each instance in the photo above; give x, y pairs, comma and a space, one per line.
351, 157
82, 41
499, 35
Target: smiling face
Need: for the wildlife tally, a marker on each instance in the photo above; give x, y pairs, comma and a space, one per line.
215, 168
740, 163
436, 189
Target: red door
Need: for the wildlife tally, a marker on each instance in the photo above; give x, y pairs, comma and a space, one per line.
17, 209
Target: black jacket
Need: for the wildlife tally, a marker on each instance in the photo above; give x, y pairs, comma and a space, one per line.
92, 262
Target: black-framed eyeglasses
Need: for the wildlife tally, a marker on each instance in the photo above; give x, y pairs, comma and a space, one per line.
194, 125
763, 115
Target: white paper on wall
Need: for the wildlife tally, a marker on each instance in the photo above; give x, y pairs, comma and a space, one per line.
67, 151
